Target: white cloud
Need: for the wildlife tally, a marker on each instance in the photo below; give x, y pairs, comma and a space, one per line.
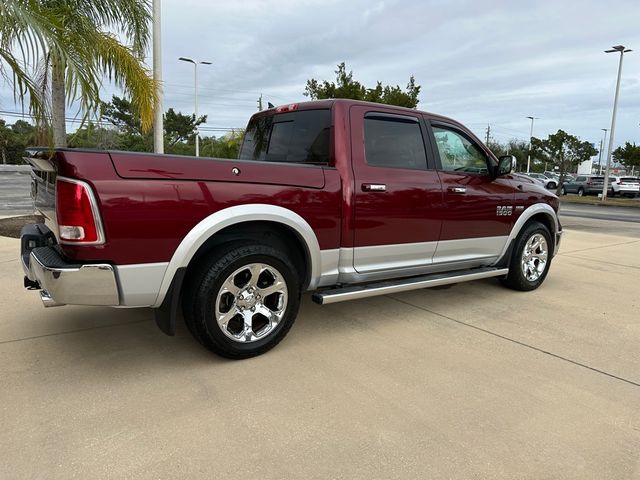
479, 62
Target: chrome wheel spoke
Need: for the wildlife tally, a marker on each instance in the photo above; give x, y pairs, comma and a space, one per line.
223, 318
229, 287
247, 333
255, 270
277, 287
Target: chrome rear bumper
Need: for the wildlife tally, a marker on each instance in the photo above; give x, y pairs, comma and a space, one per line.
67, 283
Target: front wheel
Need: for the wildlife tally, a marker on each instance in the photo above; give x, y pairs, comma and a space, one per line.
531, 258
243, 300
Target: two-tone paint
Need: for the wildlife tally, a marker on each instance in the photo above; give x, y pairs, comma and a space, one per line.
158, 210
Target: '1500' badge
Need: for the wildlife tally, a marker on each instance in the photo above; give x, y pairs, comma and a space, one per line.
504, 211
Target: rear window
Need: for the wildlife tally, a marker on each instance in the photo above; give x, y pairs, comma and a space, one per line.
293, 137
629, 180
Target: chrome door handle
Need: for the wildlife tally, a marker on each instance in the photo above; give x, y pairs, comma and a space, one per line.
374, 187
457, 189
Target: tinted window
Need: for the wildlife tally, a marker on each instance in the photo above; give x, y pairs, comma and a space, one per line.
297, 137
581, 179
458, 153
394, 142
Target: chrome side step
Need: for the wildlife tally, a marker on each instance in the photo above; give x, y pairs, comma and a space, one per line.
405, 284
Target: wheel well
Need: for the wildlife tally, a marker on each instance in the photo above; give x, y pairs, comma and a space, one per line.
547, 221
267, 232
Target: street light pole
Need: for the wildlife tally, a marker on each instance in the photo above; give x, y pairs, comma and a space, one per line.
530, 137
622, 50
195, 85
603, 143
158, 128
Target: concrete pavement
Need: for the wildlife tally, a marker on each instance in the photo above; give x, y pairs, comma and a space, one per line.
475, 381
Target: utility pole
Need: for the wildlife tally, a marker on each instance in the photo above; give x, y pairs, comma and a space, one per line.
530, 137
622, 50
488, 134
158, 127
603, 144
195, 89
260, 103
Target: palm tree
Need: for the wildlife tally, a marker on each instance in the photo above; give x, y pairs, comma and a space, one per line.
75, 48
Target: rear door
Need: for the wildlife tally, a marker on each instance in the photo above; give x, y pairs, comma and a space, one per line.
397, 190
478, 209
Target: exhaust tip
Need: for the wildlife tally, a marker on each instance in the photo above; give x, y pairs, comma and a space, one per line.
47, 300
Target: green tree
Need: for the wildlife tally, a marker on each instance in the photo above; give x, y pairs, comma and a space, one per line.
227, 146
346, 87
14, 140
179, 127
71, 44
515, 147
563, 150
629, 155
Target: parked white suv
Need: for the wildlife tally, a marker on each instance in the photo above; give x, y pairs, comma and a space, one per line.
625, 186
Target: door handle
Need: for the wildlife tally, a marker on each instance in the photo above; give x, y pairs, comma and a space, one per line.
374, 187
457, 189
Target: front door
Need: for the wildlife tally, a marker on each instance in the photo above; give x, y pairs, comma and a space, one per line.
397, 190
478, 208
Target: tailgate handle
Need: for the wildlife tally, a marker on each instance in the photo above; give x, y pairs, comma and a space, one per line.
457, 189
374, 187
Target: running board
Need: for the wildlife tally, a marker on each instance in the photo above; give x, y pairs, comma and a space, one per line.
336, 295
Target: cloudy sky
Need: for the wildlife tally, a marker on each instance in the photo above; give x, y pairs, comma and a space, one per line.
490, 62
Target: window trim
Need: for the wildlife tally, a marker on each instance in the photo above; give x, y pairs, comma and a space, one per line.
456, 129
399, 118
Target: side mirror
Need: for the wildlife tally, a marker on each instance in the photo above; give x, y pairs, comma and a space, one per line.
506, 165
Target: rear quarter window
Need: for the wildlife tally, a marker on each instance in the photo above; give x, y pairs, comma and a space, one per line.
292, 137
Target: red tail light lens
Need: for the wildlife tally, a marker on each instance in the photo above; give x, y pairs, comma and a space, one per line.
287, 108
77, 213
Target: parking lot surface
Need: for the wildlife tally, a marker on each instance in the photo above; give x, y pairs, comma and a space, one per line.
474, 381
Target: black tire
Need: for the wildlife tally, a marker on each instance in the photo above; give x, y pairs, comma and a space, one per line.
204, 286
516, 279
581, 192
563, 191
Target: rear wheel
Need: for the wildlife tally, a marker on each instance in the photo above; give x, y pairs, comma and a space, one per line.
581, 192
243, 300
531, 258
563, 191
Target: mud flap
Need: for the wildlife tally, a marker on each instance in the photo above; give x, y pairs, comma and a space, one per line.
165, 315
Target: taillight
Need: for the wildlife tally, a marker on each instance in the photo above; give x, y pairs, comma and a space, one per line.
77, 213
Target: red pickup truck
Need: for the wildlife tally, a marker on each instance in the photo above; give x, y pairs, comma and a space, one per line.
342, 198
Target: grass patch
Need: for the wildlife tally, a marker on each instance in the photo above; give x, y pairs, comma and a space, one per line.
10, 227
592, 200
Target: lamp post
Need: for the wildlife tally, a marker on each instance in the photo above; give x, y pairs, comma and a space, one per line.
195, 83
530, 137
622, 50
158, 128
603, 143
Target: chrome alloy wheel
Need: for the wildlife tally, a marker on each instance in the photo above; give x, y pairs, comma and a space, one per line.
534, 257
251, 302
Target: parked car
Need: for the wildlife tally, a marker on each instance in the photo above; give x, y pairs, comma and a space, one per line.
342, 198
548, 183
626, 186
586, 185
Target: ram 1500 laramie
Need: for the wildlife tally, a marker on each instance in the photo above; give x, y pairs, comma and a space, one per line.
342, 198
